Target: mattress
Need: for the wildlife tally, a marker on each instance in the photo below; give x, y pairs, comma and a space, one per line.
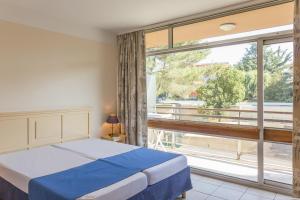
20, 167
97, 148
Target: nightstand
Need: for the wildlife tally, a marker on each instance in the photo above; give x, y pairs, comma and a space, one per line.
121, 140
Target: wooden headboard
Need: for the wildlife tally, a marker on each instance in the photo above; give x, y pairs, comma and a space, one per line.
24, 130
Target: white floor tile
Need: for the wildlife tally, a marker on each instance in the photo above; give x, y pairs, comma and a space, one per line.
195, 195
203, 187
228, 194
284, 197
248, 196
261, 193
207, 180
213, 198
234, 186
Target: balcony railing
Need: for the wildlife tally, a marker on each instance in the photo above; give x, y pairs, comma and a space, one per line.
178, 112
239, 123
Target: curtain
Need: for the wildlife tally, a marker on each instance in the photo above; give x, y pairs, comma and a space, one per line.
296, 109
132, 92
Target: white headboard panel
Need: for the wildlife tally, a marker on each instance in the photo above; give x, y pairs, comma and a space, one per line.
30, 129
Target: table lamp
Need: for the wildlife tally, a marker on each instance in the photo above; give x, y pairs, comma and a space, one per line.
112, 119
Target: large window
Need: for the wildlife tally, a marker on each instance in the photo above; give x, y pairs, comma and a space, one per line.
211, 85
251, 23
278, 85
278, 108
224, 98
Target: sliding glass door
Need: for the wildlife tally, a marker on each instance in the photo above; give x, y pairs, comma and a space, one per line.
224, 98
278, 108
214, 85
221, 86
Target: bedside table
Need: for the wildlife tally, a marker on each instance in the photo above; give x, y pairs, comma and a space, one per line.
121, 140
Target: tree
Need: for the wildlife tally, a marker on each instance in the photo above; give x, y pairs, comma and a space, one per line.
177, 74
249, 60
250, 84
224, 87
276, 60
279, 87
277, 77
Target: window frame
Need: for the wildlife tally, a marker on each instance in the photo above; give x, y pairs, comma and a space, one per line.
257, 133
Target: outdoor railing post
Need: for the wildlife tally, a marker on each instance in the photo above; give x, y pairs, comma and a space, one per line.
239, 150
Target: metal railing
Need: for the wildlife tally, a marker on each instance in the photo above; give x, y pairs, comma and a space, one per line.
178, 112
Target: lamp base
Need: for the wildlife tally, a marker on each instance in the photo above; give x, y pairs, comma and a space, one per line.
116, 138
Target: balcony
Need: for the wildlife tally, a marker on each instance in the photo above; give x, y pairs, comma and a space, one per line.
224, 141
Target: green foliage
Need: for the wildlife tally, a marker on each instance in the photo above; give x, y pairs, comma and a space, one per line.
276, 71
177, 75
276, 60
250, 83
249, 60
279, 88
224, 87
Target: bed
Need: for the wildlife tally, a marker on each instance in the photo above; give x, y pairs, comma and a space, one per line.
53, 145
168, 179
99, 149
20, 167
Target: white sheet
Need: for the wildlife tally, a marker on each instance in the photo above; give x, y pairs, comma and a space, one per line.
97, 148
19, 167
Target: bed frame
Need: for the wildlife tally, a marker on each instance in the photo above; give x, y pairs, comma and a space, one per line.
25, 130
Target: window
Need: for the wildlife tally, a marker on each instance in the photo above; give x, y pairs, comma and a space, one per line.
157, 40
278, 85
204, 102
278, 108
265, 20
211, 85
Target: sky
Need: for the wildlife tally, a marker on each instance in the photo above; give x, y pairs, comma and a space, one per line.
233, 54
226, 54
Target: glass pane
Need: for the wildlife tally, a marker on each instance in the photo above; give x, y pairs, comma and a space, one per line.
278, 162
260, 21
232, 157
157, 40
278, 85
212, 85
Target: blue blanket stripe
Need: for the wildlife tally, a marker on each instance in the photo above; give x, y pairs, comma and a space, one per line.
79, 181
140, 159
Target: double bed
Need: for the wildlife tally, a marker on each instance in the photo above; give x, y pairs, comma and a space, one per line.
21, 167
79, 167
100, 149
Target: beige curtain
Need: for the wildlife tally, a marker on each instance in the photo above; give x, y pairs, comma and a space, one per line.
132, 93
296, 132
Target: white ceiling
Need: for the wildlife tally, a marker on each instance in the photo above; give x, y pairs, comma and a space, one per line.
95, 18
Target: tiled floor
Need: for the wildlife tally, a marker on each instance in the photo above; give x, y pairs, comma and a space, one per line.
213, 189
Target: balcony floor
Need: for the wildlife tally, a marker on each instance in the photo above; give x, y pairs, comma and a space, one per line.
225, 163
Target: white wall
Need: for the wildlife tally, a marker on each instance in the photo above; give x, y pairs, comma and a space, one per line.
42, 70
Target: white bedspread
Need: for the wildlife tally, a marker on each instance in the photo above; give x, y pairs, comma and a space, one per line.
19, 167
97, 148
